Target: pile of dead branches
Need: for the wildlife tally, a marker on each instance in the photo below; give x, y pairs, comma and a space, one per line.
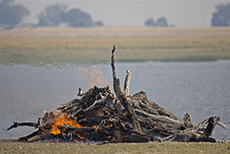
101, 115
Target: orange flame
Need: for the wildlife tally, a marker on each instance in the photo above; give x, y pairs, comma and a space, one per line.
82, 138
112, 139
109, 125
61, 119
76, 141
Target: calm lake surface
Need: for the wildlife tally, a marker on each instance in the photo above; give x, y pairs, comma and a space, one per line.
200, 88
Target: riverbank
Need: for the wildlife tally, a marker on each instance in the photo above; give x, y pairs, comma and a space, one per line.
38, 46
12, 146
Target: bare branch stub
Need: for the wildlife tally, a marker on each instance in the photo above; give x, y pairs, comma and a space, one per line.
127, 82
17, 124
121, 96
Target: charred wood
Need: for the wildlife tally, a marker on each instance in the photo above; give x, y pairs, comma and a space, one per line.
17, 124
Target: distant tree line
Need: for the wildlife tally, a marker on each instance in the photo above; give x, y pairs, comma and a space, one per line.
222, 15
56, 15
12, 15
160, 22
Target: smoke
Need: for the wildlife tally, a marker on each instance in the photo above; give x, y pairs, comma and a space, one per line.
96, 76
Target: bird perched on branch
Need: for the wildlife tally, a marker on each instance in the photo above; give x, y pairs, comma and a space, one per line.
114, 48
80, 92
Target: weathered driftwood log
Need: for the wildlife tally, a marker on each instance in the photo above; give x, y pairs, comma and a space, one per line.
187, 120
121, 96
127, 82
101, 115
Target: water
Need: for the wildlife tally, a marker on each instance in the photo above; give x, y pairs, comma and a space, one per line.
200, 88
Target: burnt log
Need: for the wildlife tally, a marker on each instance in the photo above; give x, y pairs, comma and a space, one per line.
26, 138
17, 124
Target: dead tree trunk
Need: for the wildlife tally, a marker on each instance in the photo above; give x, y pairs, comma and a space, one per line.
123, 99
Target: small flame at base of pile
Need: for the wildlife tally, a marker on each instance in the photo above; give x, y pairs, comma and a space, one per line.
61, 119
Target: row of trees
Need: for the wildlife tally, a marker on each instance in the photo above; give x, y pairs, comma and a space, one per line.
11, 14
222, 15
160, 22
56, 15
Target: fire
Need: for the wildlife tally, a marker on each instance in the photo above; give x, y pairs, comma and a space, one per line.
109, 125
112, 139
82, 139
61, 119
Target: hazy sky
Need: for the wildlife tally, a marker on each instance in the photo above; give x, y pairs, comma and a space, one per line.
182, 13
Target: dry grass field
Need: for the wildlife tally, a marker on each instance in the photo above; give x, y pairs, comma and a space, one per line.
11, 146
92, 45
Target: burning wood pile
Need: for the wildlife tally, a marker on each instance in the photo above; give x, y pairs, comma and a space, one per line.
101, 115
